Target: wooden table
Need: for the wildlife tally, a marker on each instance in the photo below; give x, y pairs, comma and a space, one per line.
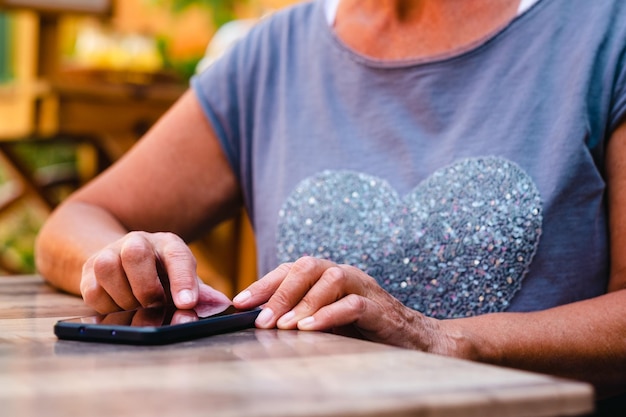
247, 373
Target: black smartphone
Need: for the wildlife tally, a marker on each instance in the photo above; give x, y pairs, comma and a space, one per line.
156, 325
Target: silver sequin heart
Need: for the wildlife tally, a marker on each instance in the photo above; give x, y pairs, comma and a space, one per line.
458, 245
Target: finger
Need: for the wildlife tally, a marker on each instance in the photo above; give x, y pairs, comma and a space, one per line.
109, 274
348, 310
138, 261
180, 265
261, 291
95, 296
369, 319
333, 285
302, 275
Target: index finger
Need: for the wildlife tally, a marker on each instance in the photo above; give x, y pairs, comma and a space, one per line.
261, 291
301, 277
180, 266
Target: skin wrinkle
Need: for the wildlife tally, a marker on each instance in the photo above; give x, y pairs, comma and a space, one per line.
584, 340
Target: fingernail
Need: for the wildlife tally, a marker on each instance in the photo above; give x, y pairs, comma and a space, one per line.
242, 297
265, 317
185, 297
286, 318
306, 323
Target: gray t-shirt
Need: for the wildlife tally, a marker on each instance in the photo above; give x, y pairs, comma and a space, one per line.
465, 184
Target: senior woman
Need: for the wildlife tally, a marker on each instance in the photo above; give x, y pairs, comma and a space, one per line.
441, 175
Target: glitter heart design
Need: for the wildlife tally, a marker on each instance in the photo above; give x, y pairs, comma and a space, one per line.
458, 245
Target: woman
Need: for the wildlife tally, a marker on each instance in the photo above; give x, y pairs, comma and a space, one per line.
434, 174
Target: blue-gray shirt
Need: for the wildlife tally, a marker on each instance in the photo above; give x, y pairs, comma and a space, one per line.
467, 183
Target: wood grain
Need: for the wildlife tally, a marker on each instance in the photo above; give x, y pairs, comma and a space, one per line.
247, 373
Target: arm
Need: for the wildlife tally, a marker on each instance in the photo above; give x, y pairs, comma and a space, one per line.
176, 179
584, 340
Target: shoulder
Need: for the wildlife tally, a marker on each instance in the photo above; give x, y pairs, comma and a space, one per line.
283, 36
581, 17
290, 20
584, 15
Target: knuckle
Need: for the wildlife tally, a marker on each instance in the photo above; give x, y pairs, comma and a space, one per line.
105, 263
135, 249
136, 234
176, 251
264, 286
89, 294
304, 265
281, 298
335, 276
355, 303
92, 295
167, 236
284, 267
371, 281
365, 284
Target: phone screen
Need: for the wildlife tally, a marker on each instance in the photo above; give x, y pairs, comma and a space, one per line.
156, 325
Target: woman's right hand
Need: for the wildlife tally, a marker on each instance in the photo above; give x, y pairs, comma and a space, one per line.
144, 269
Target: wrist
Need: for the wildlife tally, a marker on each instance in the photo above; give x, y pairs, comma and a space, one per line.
452, 339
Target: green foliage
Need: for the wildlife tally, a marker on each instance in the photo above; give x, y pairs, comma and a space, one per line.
19, 225
222, 11
6, 52
184, 68
18, 230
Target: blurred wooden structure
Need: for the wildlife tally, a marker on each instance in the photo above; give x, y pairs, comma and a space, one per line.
103, 116
28, 103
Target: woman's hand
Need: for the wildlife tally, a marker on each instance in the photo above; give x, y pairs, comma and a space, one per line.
316, 294
144, 269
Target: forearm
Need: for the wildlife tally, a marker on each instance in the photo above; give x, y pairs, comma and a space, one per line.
584, 340
73, 233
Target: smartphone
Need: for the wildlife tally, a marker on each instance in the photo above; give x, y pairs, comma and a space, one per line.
156, 325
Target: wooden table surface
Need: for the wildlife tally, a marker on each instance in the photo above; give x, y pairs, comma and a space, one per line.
247, 373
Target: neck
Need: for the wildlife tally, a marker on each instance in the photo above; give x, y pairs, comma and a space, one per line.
400, 29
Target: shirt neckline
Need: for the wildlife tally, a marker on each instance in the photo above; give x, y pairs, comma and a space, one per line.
329, 7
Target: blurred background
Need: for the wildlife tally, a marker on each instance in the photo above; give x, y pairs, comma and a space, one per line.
80, 82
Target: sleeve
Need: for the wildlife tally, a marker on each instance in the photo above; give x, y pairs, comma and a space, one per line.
218, 91
618, 108
234, 89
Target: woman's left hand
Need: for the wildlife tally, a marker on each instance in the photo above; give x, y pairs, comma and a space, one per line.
316, 294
